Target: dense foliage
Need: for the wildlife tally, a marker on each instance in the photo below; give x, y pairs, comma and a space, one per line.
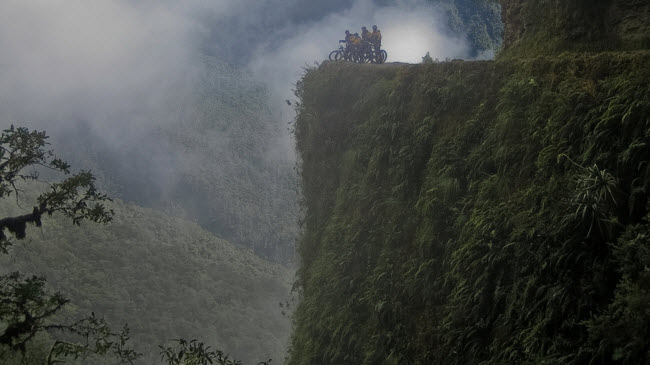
197, 353
475, 212
199, 273
541, 27
165, 277
26, 307
76, 197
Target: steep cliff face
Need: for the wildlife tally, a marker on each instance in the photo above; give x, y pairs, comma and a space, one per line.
557, 25
475, 212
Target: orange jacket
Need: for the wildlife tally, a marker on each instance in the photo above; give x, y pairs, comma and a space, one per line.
375, 37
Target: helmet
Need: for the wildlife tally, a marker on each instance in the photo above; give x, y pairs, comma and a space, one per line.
363, 28
347, 32
374, 27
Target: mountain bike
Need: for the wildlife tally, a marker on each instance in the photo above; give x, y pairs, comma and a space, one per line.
383, 57
368, 54
378, 57
364, 54
340, 54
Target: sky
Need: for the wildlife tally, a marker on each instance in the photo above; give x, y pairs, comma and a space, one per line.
107, 62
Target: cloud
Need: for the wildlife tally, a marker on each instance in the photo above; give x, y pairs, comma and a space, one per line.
103, 61
124, 64
410, 32
126, 67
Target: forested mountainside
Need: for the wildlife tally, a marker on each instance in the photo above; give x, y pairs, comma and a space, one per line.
222, 162
491, 212
164, 276
479, 21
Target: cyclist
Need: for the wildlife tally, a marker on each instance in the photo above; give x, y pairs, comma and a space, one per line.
348, 44
348, 36
375, 40
355, 42
375, 37
365, 34
365, 40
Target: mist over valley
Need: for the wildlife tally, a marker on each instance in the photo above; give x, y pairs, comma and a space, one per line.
179, 111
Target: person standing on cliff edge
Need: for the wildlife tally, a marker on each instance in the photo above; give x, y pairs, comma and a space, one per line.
375, 40
365, 34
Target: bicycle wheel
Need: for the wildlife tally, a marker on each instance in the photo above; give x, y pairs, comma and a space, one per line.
354, 57
335, 55
384, 56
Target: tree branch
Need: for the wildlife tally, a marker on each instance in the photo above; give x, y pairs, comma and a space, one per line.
18, 225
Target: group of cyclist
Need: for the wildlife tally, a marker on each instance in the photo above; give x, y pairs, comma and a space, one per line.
364, 48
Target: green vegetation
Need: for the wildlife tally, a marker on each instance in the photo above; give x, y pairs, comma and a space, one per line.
26, 307
479, 20
196, 353
427, 59
76, 197
165, 276
475, 212
542, 27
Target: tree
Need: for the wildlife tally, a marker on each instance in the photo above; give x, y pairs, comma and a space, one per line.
76, 197
427, 59
25, 305
197, 353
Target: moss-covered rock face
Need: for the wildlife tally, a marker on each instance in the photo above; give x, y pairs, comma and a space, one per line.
490, 212
558, 25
